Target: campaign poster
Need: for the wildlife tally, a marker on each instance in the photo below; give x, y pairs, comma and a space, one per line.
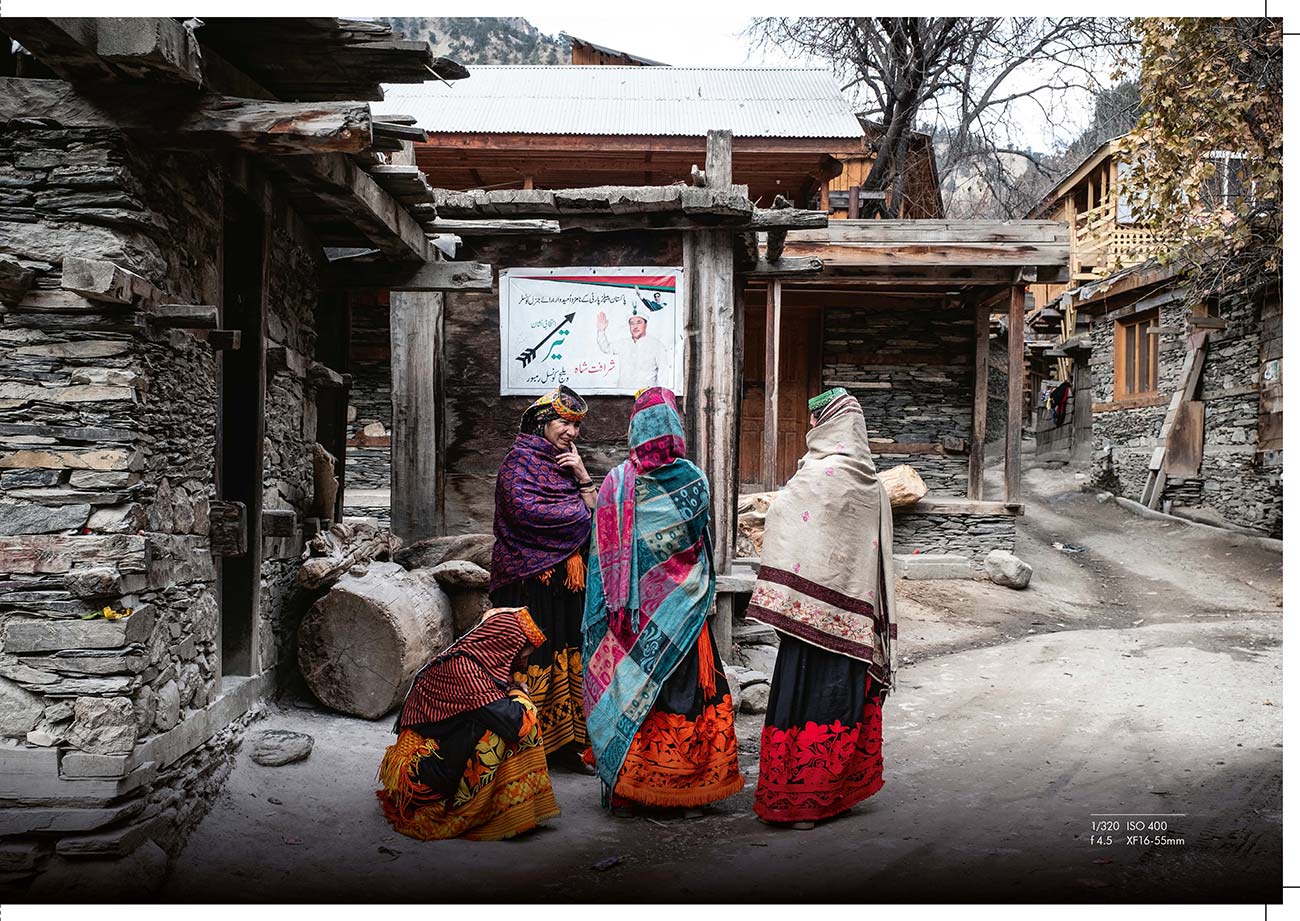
606, 330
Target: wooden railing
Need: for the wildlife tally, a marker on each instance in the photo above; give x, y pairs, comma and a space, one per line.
1103, 245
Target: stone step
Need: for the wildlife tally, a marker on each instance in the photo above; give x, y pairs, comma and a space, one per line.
934, 566
53, 790
116, 842
25, 821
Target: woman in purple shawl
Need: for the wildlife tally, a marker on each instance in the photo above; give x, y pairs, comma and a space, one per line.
542, 526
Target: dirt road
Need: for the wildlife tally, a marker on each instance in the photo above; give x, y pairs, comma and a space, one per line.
1140, 675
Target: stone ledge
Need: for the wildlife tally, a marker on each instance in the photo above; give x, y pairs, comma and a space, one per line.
934, 566
55, 635
53, 790
17, 821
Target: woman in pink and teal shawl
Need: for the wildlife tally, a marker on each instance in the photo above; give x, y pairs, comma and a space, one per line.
542, 525
659, 712
826, 584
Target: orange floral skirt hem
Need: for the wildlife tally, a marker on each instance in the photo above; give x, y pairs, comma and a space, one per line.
679, 761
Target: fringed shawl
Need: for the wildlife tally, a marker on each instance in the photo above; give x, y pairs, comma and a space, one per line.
650, 580
540, 517
826, 574
472, 672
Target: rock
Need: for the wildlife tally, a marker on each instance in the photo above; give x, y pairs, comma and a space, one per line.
119, 519
760, 659
374, 430
749, 676
476, 548
169, 707
753, 699
753, 634
467, 607
20, 709
904, 485
460, 574
98, 479
274, 747
146, 709
93, 581
191, 685
1005, 568
103, 725
20, 479
29, 518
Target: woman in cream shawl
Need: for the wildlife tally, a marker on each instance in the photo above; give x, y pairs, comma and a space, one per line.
826, 584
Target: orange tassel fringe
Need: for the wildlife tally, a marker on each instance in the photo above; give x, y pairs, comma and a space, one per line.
575, 573
708, 678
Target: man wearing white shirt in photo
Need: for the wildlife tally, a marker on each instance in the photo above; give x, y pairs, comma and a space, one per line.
643, 361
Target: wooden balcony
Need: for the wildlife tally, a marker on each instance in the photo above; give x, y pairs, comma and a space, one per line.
1103, 245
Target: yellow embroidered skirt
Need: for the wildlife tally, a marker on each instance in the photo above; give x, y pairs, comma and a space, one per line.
503, 788
554, 676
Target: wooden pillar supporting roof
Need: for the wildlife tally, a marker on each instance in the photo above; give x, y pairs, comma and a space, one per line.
772, 382
416, 323
713, 379
979, 422
1015, 390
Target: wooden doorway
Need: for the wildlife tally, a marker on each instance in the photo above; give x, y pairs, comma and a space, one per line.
241, 424
799, 379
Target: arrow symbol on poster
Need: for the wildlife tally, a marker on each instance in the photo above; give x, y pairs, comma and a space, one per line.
527, 355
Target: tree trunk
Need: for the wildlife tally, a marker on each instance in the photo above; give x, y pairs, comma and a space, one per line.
361, 645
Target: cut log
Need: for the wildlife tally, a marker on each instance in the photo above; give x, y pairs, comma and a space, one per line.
183, 316
332, 553
431, 276
361, 645
427, 553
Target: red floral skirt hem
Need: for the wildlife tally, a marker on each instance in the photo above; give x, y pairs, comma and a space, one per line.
817, 771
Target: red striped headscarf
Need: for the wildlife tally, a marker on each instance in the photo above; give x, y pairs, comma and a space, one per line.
472, 672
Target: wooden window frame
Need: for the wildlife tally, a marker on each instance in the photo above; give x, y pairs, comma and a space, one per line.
1137, 384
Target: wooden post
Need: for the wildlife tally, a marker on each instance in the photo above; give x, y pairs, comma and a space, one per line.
979, 422
713, 386
772, 380
1015, 390
855, 202
416, 319
826, 196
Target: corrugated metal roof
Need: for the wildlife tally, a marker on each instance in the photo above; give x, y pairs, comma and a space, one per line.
663, 101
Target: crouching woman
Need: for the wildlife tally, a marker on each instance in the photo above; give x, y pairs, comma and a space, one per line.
469, 760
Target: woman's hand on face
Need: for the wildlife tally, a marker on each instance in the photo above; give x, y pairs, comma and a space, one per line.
572, 462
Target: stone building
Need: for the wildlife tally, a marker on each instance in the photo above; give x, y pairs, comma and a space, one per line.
1222, 437
1127, 334
171, 355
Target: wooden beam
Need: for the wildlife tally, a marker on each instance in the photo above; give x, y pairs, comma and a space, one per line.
1015, 390
186, 121
98, 280
337, 180
936, 231
785, 219
717, 159
225, 339
183, 316
979, 421
93, 48
416, 335
938, 253
431, 276
489, 228
797, 265
772, 384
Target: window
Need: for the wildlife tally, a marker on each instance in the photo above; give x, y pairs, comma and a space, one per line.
1230, 185
1137, 356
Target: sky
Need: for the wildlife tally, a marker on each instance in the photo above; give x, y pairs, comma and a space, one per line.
713, 40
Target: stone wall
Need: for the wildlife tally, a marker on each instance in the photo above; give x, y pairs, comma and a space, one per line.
1234, 485
973, 536
910, 364
107, 467
370, 402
